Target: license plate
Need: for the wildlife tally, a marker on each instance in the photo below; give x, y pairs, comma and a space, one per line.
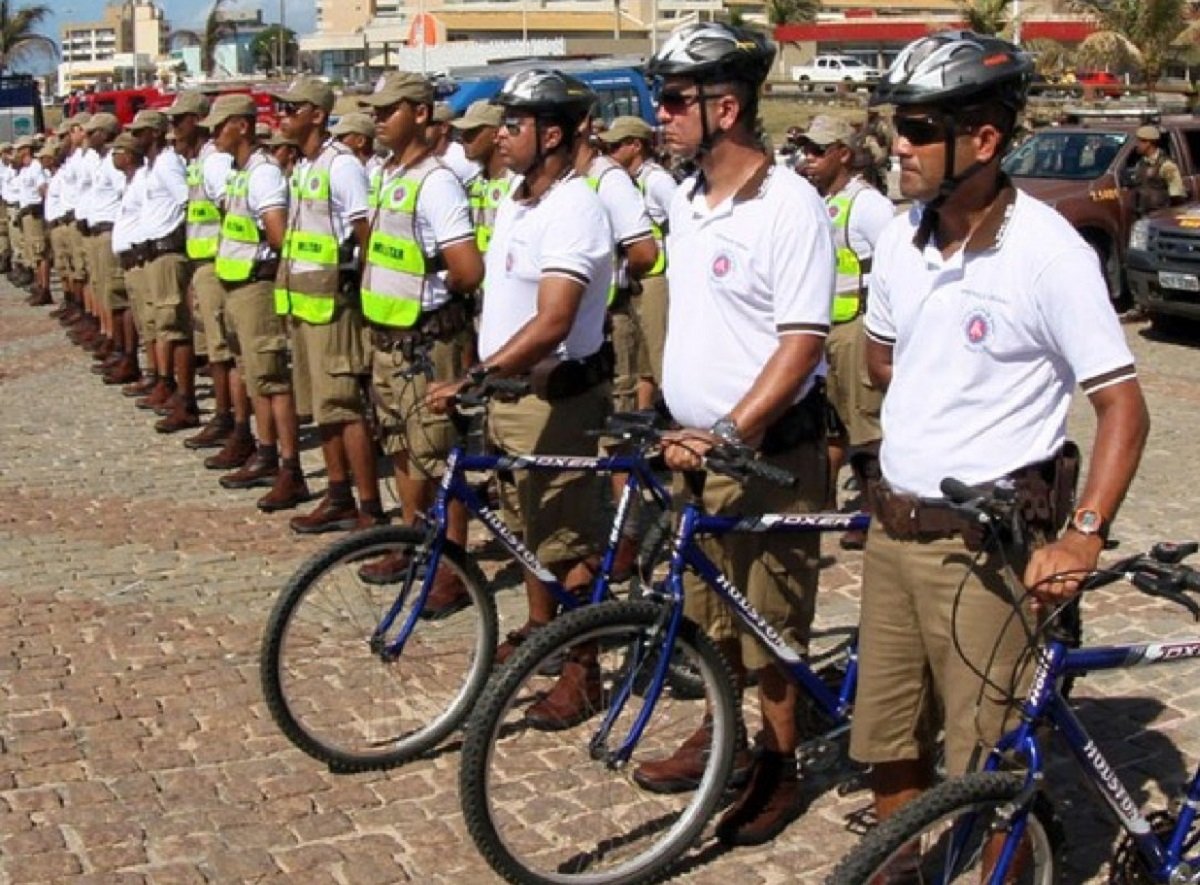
1188, 282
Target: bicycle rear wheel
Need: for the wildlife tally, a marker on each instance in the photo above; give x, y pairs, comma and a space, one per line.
323, 672
546, 806
951, 834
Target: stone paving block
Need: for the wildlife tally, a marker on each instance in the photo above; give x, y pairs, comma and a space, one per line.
49, 867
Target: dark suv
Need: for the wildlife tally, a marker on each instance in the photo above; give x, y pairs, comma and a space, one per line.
1083, 171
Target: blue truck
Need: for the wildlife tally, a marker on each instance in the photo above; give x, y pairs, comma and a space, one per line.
621, 85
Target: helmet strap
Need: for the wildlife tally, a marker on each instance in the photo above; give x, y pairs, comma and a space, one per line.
950, 181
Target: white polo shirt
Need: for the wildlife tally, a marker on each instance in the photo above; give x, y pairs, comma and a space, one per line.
215, 168
565, 233
8, 184
870, 213
166, 195
89, 165
456, 159
29, 184
267, 189
108, 183
658, 190
69, 170
442, 218
127, 231
742, 275
988, 345
54, 207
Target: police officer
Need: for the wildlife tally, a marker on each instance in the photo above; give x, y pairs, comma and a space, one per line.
31, 183
751, 276
127, 240
1157, 181
108, 285
357, 132
477, 131
859, 214
327, 230
421, 263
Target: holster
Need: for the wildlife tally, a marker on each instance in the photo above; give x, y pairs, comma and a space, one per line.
803, 422
554, 379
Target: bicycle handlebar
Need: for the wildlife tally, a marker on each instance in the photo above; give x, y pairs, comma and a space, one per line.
739, 463
481, 385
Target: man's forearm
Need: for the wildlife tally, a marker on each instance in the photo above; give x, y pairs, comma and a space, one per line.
776, 386
1122, 425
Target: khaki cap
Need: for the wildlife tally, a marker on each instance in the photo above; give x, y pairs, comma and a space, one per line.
397, 86
312, 90
261, 131
126, 142
155, 120
189, 103
103, 122
23, 142
81, 119
480, 113
627, 127
63, 128
277, 140
1148, 133
48, 152
6, 147
825, 130
226, 106
356, 123
442, 113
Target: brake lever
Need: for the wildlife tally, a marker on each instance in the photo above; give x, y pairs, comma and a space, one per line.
1148, 585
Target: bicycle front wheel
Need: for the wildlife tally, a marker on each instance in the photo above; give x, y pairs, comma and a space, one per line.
327, 680
954, 833
544, 800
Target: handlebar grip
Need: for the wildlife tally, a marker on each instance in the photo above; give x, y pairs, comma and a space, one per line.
1191, 579
773, 474
958, 491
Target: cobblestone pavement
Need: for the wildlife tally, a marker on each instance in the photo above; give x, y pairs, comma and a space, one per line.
135, 744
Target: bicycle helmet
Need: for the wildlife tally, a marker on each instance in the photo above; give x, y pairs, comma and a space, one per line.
957, 68
711, 52
548, 94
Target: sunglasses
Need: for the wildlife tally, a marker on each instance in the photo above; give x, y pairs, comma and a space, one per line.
920, 131
512, 125
290, 108
675, 101
812, 149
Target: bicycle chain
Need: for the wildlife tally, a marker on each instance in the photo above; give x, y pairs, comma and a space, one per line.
1126, 866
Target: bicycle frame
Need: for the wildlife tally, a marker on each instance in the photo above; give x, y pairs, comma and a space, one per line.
694, 523
453, 487
1044, 702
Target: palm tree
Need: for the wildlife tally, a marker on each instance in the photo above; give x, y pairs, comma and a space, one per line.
787, 12
17, 36
992, 17
1051, 57
215, 30
264, 48
1134, 33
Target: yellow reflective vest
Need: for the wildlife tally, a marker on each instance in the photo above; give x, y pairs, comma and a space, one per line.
240, 235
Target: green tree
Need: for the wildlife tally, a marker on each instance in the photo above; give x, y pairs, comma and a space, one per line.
18, 40
1131, 33
992, 17
789, 12
264, 48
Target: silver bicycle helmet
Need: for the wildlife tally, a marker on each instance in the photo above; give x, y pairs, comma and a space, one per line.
711, 52
550, 94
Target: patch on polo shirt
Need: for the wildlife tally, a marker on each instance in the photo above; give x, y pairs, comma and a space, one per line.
978, 328
721, 267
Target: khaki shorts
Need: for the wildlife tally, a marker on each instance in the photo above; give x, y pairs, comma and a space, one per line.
777, 573
60, 250
925, 609
329, 363
406, 425
257, 338
167, 283
559, 512
15, 237
139, 302
79, 250
627, 343
5, 245
209, 332
108, 281
33, 228
848, 386
650, 308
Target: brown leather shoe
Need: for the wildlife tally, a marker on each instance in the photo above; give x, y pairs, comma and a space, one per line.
140, 388
447, 596
163, 391
683, 769
514, 640
183, 416
104, 350
258, 472
213, 435
767, 804
290, 490
329, 516
574, 698
40, 298
124, 372
387, 569
236, 452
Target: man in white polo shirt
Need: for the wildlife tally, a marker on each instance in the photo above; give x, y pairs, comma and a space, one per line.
986, 309
751, 278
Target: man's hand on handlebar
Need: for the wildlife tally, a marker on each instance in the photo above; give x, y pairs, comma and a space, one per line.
440, 395
1054, 571
685, 449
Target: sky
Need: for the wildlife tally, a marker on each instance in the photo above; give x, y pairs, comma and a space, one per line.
300, 15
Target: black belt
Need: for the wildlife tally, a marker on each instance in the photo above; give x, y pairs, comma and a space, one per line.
129, 259
441, 324
104, 227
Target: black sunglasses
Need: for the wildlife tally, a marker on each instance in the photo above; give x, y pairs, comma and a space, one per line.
675, 101
812, 149
920, 131
290, 108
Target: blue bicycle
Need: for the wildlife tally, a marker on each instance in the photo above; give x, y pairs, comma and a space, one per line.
561, 803
356, 673
997, 825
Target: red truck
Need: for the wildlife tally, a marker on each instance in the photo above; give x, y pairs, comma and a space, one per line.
125, 103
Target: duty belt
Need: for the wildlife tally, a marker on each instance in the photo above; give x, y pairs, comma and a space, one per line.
441, 324
264, 271
102, 227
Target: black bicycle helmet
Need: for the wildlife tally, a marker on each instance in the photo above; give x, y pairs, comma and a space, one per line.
957, 69
711, 52
547, 94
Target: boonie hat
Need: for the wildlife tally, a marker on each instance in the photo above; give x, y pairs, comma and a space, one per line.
397, 86
191, 102
442, 113
1148, 133
306, 89
627, 127
480, 113
356, 123
825, 130
226, 106
103, 122
156, 120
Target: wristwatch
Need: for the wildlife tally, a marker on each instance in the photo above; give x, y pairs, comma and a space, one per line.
1089, 522
726, 430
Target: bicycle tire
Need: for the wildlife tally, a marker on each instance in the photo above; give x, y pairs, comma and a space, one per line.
331, 693
575, 819
885, 854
